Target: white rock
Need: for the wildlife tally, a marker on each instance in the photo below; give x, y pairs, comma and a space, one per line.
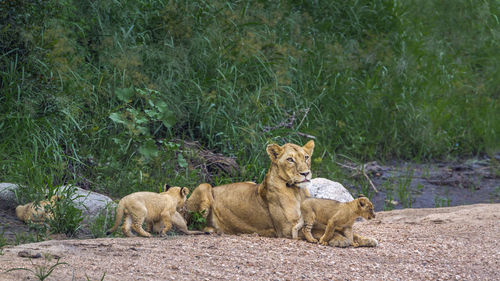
325, 188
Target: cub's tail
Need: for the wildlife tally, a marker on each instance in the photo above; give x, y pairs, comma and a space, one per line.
118, 219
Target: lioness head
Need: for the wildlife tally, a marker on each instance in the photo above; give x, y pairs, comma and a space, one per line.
293, 162
365, 208
180, 194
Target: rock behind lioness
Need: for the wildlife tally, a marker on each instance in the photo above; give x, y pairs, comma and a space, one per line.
328, 189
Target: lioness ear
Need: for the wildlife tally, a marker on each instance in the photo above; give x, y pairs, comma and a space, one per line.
309, 147
274, 150
166, 187
184, 191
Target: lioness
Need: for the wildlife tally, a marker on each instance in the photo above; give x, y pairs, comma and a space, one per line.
268, 209
37, 212
152, 208
336, 215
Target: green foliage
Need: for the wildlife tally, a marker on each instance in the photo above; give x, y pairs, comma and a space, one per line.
197, 220
41, 271
66, 217
3, 241
103, 221
403, 189
96, 93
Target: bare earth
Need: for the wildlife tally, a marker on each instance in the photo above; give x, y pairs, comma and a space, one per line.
456, 243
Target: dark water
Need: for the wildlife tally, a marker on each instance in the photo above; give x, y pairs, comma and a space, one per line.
410, 185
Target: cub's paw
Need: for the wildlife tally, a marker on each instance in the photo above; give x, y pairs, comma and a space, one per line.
312, 240
369, 242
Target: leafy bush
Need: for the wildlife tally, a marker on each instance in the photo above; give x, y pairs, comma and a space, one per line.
95, 91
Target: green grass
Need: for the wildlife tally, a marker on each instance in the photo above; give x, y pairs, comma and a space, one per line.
95, 94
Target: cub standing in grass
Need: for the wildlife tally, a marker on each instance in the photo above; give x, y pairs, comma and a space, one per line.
154, 209
335, 215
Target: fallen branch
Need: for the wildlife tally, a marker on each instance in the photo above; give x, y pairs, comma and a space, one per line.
288, 123
359, 170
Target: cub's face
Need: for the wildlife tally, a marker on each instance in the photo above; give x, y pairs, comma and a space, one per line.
179, 194
293, 162
366, 208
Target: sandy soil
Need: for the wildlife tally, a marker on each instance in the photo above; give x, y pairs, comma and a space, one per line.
456, 243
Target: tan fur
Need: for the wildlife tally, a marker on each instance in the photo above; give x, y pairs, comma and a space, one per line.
158, 209
338, 217
268, 209
36, 213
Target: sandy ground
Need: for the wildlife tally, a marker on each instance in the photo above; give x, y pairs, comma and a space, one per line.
456, 243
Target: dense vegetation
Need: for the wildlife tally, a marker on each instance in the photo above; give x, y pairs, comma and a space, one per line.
104, 93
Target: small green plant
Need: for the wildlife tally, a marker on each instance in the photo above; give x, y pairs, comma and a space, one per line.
495, 194
23, 238
3, 241
366, 190
389, 199
404, 190
38, 231
102, 222
66, 217
197, 220
102, 278
41, 271
442, 201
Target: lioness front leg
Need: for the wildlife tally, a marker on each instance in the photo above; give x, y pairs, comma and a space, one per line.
295, 229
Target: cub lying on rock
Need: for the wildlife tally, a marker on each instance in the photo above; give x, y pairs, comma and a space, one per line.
154, 209
37, 213
335, 215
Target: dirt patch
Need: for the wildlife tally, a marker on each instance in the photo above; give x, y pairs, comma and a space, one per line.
457, 243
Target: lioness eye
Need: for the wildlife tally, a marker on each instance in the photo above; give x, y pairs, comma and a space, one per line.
290, 160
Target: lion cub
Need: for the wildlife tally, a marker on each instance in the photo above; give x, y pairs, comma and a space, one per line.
335, 215
37, 213
152, 208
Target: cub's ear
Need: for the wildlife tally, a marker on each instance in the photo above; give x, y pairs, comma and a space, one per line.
361, 195
309, 147
274, 151
361, 202
166, 187
184, 191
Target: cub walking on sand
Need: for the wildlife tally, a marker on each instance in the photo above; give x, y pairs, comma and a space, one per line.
154, 209
335, 215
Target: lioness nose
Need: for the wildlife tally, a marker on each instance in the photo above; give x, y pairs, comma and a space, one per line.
305, 174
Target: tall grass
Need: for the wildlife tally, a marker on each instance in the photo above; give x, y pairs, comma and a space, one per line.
92, 92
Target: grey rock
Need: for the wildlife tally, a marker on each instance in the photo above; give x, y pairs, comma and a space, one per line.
328, 189
91, 203
7, 195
